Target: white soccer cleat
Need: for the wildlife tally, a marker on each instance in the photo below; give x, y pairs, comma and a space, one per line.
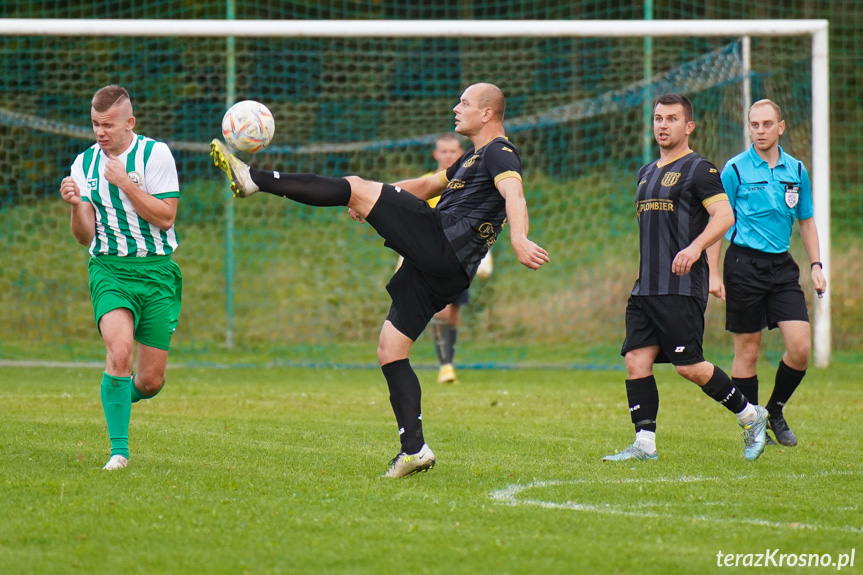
116, 462
404, 465
236, 170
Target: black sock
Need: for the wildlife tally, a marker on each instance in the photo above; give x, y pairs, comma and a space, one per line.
787, 380
643, 398
405, 397
722, 390
439, 341
450, 335
306, 189
748, 386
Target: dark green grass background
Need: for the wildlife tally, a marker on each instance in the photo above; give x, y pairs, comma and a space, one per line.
276, 471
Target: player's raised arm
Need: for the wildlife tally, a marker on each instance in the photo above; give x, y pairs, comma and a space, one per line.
426, 187
527, 252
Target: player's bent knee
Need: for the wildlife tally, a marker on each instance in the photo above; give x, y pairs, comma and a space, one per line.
149, 386
699, 373
799, 358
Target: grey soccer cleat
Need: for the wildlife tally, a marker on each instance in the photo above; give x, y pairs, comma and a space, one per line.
777, 424
237, 171
632, 452
404, 465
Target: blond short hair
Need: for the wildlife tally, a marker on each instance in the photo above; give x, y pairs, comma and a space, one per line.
766, 102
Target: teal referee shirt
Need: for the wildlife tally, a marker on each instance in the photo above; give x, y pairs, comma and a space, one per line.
766, 201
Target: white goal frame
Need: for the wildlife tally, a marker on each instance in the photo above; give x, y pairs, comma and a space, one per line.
817, 30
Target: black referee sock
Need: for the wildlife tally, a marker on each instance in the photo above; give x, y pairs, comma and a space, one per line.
748, 386
405, 397
787, 380
308, 189
643, 398
722, 390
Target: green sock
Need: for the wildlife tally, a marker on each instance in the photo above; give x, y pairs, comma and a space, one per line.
136, 395
117, 405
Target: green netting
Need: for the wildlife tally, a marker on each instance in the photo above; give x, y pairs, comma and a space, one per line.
310, 279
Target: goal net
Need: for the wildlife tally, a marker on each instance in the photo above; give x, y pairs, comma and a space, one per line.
293, 284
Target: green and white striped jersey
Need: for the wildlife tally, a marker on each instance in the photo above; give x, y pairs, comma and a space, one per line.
120, 231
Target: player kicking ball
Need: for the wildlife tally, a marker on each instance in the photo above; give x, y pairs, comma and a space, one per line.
442, 246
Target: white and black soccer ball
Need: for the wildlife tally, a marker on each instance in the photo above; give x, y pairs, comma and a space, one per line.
248, 126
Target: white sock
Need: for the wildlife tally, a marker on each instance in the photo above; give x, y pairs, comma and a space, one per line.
748, 414
646, 440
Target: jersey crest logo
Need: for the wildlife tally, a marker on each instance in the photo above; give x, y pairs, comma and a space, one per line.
792, 195
470, 161
670, 179
92, 184
135, 177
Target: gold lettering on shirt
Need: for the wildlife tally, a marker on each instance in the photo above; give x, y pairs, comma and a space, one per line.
655, 206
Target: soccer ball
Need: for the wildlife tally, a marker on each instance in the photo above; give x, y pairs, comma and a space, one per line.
248, 126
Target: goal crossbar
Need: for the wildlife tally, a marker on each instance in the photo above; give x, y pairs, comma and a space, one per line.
817, 30
409, 28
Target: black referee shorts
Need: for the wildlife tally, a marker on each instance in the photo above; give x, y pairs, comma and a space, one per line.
431, 275
761, 290
673, 322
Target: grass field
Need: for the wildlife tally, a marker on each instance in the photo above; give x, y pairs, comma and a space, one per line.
276, 471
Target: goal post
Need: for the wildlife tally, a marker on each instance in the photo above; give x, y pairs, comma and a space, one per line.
815, 30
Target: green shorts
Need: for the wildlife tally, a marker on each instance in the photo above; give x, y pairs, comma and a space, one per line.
151, 288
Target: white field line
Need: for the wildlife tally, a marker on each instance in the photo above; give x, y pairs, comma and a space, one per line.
510, 496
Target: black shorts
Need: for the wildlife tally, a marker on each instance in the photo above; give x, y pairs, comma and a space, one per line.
431, 275
761, 290
462, 299
673, 322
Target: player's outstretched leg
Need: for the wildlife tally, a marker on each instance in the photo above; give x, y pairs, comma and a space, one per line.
236, 170
308, 189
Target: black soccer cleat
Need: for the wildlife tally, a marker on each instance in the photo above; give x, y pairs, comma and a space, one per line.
777, 424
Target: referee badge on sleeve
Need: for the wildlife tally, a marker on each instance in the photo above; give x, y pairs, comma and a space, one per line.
792, 194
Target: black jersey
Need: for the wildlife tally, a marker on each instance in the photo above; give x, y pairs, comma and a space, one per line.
472, 210
670, 203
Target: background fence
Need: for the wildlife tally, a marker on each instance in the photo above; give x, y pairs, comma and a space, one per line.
306, 284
